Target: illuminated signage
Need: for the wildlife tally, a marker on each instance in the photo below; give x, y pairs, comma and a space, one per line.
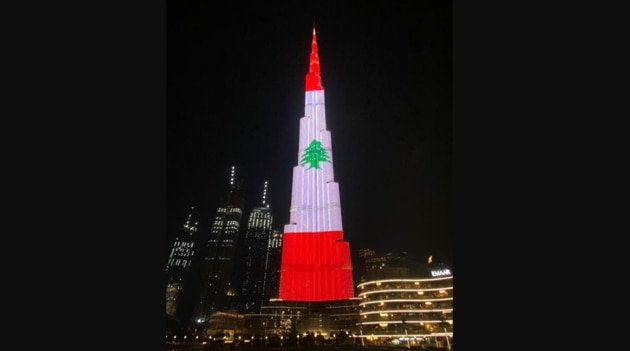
441, 272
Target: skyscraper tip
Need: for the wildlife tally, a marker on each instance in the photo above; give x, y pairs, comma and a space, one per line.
313, 78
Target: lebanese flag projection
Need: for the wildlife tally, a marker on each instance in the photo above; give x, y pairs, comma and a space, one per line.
316, 262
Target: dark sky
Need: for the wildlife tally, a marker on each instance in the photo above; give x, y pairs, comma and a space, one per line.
235, 94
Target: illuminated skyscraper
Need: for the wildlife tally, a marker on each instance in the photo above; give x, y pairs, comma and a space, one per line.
272, 266
250, 296
316, 262
218, 267
178, 267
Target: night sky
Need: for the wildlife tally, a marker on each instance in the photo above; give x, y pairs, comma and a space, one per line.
235, 94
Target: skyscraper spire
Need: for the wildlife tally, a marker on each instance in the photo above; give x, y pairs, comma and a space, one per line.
190, 226
313, 78
233, 170
264, 197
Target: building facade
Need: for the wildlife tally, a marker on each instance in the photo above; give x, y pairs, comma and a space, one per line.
316, 262
271, 283
254, 251
179, 264
218, 282
411, 309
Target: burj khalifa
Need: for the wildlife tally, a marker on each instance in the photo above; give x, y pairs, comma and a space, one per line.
315, 262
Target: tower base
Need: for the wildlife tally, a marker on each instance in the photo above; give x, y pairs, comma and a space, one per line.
328, 319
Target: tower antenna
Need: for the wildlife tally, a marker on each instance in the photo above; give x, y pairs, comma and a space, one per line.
264, 197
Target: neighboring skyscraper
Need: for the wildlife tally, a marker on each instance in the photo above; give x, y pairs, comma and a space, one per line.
272, 266
178, 267
217, 287
255, 254
315, 259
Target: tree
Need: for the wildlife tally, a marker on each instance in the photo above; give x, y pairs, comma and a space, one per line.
314, 154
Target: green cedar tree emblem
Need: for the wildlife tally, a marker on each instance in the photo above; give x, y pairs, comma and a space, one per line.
314, 154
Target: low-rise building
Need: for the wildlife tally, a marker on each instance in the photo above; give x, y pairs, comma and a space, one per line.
413, 309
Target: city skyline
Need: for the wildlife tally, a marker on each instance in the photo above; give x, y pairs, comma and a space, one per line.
236, 97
